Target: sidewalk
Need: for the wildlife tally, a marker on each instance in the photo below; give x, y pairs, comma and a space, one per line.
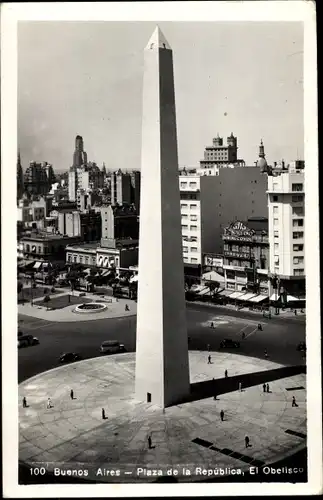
187, 435
282, 313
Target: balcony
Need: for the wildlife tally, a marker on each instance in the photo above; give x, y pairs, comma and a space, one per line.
237, 255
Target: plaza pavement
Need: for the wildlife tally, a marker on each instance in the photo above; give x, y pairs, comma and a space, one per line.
115, 309
72, 434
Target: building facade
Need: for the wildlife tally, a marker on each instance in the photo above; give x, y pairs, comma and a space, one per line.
220, 155
43, 246
38, 178
286, 214
125, 188
246, 256
119, 224
210, 203
87, 224
92, 255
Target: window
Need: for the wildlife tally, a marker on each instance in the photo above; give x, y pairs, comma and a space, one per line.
275, 186
86, 260
193, 228
298, 272
298, 248
193, 260
276, 234
185, 249
298, 223
193, 205
193, 249
297, 197
69, 257
185, 259
276, 270
276, 259
74, 258
297, 187
183, 184
298, 260
193, 217
184, 216
81, 260
193, 238
276, 221
184, 226
275, 210
298, 210
192, 184
297, 235
39, 250
183, 205
276, 245
275, 198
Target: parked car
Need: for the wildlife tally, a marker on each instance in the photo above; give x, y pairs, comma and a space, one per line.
301, 346
27, 340
112, 347
229, 343
68, 357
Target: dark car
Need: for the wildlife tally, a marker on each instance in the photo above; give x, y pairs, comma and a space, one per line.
229, 343
68, 357
27, 340
301, 346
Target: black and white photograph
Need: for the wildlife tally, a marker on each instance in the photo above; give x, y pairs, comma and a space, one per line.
162, 272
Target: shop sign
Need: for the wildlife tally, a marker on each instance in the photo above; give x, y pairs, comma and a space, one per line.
239, 231
212, 261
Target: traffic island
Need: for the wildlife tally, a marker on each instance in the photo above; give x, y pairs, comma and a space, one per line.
103, 433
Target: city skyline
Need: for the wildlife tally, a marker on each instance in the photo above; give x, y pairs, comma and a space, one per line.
254, 89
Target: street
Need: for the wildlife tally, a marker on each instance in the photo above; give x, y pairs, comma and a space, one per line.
279, 337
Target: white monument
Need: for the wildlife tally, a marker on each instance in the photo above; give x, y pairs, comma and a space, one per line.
162, 370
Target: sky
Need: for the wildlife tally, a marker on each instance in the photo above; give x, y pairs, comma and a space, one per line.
86, 78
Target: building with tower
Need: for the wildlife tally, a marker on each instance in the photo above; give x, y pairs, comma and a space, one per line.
220, 155
79, 156
262, 162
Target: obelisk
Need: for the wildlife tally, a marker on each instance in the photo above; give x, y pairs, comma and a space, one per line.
162, 369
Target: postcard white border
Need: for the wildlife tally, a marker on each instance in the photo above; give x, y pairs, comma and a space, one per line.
155, 11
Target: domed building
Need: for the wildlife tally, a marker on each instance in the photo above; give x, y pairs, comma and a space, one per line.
262, 162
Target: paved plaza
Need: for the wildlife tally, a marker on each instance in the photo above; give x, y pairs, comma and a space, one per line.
73, 435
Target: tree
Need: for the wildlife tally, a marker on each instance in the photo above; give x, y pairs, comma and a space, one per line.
212, 286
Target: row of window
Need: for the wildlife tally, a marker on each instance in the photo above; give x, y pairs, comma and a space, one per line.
190, 238
295, 198
88, 260
296, 248
295, 187
192, 228
193, 260
192, 249
296, 272
296, 234
192, 205
296, 260
192, 217
189, 184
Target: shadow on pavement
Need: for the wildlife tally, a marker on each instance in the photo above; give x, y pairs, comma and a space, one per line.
216, 387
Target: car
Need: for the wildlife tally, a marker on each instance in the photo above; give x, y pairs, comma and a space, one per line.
68, 357
229, 343
112, 347
27, 340
301, 346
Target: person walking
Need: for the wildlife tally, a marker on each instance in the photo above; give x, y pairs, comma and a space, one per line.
149, 442
294, 402
49, 403
267, 388
209, 359
24, 402
126, 307
226, 373
222, 415
103, 414
264, 387
72, 394
247, 441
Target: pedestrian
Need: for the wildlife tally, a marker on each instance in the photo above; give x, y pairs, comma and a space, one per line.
212, 325
259, 326
214, 397
24, 402
208, 347
295, 312
149, 442
49, 403
246, 440
264, 387
226, 373
294, 402
240, 387
126, 307
209, 359
267, 388
103, 414
72, 394
222, 415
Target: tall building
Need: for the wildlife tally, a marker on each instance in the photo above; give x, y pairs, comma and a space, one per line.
20, 178
262, 162
38, 178
286, 214
219, 155
86, 224
79, 156
125, 188
210, 203
162, 371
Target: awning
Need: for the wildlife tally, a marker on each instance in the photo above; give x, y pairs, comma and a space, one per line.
225, 293
213, 276
106, 273
235, 295
37, 265
247, 296
291, 298
259, 298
